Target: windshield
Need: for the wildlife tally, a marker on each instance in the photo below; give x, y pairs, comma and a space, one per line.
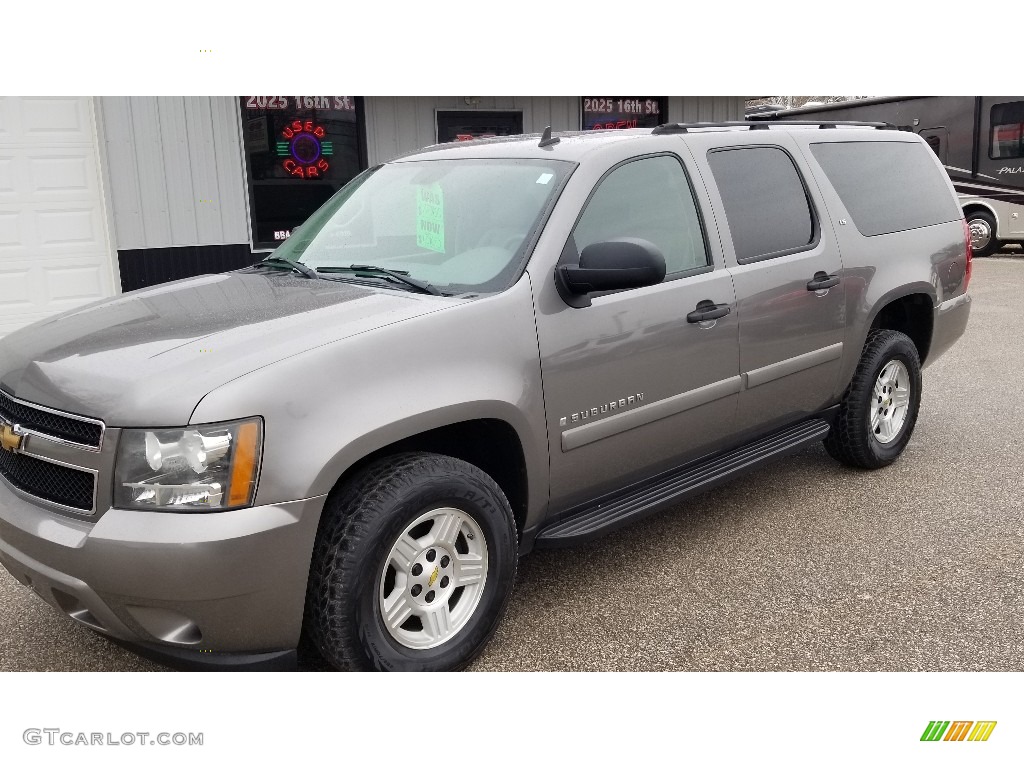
460, 225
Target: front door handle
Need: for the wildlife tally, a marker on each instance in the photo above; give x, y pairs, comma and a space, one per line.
708, 310
821, 281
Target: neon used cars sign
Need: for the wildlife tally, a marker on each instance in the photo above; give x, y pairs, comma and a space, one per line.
304, 150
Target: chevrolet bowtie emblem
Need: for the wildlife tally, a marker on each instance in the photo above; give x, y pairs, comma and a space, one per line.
9, 439
433, 577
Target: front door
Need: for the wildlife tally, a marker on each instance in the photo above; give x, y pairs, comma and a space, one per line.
631, 387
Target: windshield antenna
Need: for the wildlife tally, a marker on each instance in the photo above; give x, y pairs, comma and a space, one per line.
546, 140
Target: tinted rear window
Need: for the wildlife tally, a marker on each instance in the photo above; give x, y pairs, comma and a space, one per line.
887, 186
764, 199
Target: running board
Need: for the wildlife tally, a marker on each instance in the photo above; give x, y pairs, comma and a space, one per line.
639, 501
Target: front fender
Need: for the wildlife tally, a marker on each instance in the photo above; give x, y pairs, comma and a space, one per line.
392, 432
326, 408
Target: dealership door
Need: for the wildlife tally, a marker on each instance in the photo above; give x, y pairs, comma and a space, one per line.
467, 125
55, 251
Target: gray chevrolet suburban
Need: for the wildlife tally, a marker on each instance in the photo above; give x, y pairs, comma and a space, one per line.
466, 353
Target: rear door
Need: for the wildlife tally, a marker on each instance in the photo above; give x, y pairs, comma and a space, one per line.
789, 281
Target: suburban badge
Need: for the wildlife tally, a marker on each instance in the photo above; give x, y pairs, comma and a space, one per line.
600, 410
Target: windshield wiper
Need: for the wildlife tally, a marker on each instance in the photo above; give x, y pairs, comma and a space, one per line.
298, 266
394, 275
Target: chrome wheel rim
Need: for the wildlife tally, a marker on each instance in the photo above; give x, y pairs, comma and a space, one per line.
981, 233
433, 578
890, 402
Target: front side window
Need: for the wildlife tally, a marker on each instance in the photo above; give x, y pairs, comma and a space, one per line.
460, 225
1007, 130
765, 201
649, 199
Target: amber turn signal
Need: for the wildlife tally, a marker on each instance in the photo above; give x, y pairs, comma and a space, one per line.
245, 464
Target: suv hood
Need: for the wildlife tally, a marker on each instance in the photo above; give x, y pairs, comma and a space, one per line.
148, 357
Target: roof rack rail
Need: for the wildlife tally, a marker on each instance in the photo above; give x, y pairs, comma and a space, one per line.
765, 125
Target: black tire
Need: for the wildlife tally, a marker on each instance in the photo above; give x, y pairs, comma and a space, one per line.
987, 219
851, 439
362, 521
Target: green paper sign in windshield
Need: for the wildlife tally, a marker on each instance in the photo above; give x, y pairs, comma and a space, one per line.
430, 218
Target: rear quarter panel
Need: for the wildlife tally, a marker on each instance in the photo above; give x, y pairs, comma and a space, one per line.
882, 268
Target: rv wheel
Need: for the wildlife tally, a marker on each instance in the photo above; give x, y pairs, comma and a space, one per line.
983, 233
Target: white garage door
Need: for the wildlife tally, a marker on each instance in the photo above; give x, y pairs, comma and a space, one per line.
54, 247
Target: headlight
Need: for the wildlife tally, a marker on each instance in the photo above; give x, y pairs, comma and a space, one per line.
203, 468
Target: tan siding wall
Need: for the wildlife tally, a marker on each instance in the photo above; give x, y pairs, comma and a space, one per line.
168, 156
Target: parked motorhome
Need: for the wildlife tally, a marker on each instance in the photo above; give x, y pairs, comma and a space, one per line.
980, 141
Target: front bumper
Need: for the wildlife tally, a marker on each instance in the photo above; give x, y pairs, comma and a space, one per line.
189, 660
198, 585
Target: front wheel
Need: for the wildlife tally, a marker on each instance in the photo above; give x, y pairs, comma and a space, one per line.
413, 566
879, 409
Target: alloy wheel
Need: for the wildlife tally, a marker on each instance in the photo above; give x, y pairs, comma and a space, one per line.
433, 578
890, 401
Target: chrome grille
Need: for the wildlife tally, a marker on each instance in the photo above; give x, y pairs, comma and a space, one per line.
45, 421
53, 482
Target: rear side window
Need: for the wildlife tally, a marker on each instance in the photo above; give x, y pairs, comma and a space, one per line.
887, 186
765, 201
1007, 130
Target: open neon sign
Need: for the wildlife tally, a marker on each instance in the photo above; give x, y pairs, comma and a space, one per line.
304, 150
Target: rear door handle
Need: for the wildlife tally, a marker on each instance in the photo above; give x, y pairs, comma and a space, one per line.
708, 310
821, 281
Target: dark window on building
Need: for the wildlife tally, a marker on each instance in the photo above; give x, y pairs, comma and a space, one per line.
650, 199
622, 112
887, 186
765, 201
1007, 130
299, 151
466, 125
935, 143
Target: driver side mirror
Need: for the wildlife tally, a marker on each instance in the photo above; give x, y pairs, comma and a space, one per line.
612, 265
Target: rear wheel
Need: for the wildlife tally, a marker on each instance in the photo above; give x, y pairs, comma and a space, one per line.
879, 409
413, 566
982, 226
